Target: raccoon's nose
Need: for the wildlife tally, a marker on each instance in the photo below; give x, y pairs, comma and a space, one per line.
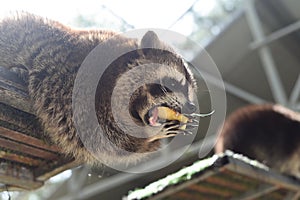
189, 108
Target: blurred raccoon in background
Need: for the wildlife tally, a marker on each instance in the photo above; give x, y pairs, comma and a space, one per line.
267, 133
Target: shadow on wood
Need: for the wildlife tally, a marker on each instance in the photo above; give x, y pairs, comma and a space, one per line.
27, 157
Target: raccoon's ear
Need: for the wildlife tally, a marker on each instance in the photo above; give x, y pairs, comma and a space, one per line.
151, 40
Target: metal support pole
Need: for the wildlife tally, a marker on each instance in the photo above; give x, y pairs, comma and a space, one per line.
265, 54
230, 88
295, 93
276, 35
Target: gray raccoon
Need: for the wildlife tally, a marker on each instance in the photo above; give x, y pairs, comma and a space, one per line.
268, 133
47, 55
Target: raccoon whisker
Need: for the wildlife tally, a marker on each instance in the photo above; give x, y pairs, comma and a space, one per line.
167, 96
191, 126
200, 114
163, 89
174, 132
166, 93
187, 132
152, 101
189, 123
194, 121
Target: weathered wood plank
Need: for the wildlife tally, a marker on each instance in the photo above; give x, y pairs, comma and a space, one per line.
62, 165
238, 166
13, 91
223, 182
203, 188
25, 149
20, 183
257, 182
26, 153
14, 119
11, 157
18, 176
19, 137
257, 192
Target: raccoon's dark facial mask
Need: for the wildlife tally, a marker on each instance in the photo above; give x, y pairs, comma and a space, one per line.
155, 105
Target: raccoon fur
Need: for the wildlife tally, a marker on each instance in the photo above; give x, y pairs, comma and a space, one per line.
267, 133
47, 56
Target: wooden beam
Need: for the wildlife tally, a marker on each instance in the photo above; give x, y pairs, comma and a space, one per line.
64, 164
12, 157
13, 91
15, 176
257, 192
25, 149
27, 156
20, 183
267, 176
20, 121
218, 180
25, 139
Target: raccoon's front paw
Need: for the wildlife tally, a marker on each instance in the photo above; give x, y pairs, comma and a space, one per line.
172, 128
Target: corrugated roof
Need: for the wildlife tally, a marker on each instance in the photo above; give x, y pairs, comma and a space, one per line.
226, 176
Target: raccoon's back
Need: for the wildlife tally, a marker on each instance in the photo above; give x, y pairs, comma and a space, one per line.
28, 41
267, 133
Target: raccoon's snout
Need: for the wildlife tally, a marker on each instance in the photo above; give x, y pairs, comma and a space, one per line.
189, 108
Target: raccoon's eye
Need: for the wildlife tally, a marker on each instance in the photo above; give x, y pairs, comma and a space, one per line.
155, 90
172, 84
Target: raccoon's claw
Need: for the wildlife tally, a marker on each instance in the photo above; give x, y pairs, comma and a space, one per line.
187, 132
194, 121
184, 132
173, 128
193, 115
171, 125
191, 126
161, 136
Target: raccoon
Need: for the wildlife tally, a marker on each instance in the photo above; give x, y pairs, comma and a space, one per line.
268, 133
47, 56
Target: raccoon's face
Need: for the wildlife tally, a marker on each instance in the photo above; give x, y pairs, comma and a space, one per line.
167, 105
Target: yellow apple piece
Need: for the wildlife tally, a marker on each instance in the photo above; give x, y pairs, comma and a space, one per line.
170, 114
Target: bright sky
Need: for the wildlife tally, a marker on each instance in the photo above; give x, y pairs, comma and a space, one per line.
140, 13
